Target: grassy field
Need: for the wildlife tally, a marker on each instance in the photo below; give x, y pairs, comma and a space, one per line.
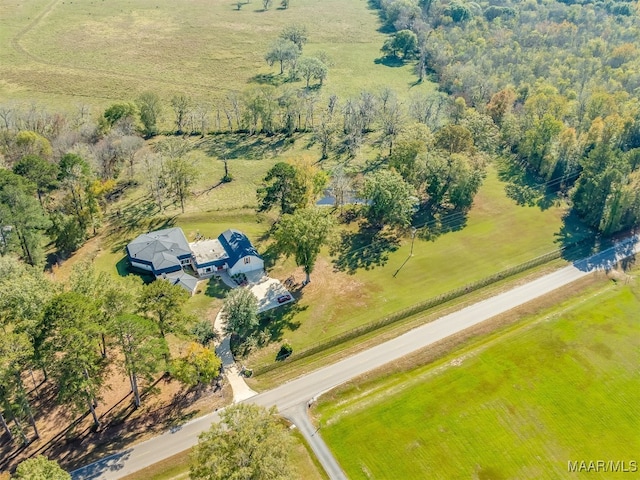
498, 234
96, 52
558, 387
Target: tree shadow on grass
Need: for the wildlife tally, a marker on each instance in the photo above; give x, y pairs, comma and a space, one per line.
242, 145
274, 79
524, 188
576, 239
432, 225
393, 62
276, 320
367, 248
216, 288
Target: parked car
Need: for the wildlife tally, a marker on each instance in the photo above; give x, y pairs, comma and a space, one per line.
284, 298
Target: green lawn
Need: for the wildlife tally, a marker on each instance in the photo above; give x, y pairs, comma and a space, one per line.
97, 52
560, 387
498, 234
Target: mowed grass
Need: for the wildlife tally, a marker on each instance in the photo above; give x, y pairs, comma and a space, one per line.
561, 387
498, 234
96, 52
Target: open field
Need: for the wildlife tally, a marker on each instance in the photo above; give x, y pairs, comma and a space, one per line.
521, 403
97, 52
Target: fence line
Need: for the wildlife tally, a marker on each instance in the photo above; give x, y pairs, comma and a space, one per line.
417, 308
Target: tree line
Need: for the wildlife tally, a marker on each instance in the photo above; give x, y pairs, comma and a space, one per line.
72, 333
558, 80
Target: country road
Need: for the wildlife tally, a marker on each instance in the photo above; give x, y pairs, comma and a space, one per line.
292, 397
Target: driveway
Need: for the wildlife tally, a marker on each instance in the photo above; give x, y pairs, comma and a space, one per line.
267, 290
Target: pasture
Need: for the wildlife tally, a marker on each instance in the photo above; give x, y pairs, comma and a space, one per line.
63, 53
560, 386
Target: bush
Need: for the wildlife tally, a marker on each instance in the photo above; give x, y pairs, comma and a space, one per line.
285, 351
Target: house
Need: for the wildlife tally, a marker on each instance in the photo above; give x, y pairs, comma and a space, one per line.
162, 251
165, 253
242, 255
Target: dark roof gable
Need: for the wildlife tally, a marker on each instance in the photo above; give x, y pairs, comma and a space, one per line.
237, 246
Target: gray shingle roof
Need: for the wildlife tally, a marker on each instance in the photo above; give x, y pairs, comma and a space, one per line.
182, 279
237, 246
162, 249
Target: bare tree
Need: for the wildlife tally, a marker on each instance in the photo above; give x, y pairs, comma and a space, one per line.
340, 186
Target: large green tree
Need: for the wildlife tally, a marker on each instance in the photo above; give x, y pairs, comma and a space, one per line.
302, 235
248, 443
390, 199
40, 468
143, 353
198, 366
150, 109
43, 174
240, 312
69, 338
22, 218
283, 187
282, 51
162, 302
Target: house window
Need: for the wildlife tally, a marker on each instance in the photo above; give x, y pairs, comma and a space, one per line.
247, 260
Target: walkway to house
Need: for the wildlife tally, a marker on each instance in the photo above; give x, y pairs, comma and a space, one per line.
270, 293
241, 390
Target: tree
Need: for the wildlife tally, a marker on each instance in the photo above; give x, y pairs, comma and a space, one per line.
296, 34
454, 139
451, 181
182, 174
181, 105
325, 133
240, 312
68, 337
404, 42
150, 109
285, 4
199, 365
340, 186
249, 442
282, 187
405, 159
282, 51
390, 198
311, 67
40, 468
16, 354
266, 4
118, 112
302, 235
20, 211
42, 174
163, 302
142, 351
204, 332
74, 177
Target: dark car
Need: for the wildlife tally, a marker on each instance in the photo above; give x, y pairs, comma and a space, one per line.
284, 298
